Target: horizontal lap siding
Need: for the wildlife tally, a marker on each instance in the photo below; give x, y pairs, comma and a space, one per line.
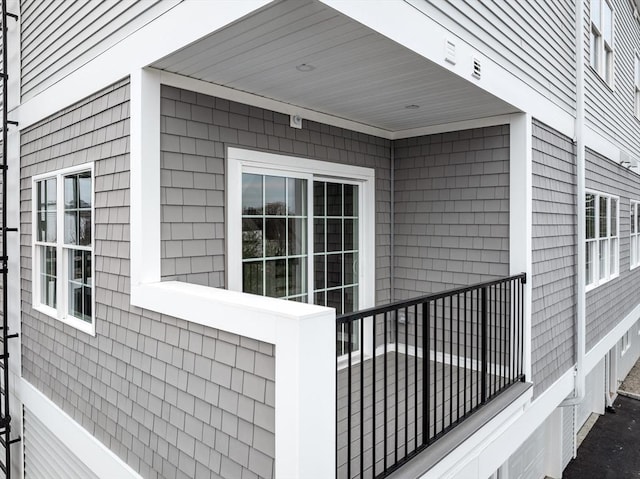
195, 131
534, 40
451, 210
171, 398
610, 109
553, 256
58, 37
609, 303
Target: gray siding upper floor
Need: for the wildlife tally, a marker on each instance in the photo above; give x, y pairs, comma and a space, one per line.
609, 109
172, 399
451, 210
57, 37
195, 130
534, 40
554, 237
610, 302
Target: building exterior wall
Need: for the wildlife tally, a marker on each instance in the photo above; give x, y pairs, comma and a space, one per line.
610, 302
58, 37
609, 108
195, 131
534, 41
553, 256
451, 210
170, 398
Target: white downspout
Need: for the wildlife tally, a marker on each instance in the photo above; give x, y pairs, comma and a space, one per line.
579, 390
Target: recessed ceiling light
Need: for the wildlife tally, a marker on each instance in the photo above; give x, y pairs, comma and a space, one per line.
305, 67
412, 107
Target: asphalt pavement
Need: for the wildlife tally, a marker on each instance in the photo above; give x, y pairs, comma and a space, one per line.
611, 450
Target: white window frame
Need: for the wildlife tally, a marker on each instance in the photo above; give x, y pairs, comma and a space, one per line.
61, 311
611, 273
601, 51
634, 235
625, 343
636, 86
242, 160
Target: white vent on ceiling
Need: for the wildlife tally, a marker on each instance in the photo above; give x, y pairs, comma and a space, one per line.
450, 52
476, 68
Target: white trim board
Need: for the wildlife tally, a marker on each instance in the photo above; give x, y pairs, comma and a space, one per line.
95, 455
141, 48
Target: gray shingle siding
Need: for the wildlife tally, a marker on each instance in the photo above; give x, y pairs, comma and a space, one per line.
553, 255
171, 398
610, 302
195, 131
451, 210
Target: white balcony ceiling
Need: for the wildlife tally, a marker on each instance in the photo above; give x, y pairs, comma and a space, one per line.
359, 74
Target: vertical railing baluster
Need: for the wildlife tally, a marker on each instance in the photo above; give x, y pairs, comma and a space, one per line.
406, 380
458, 362
483, 367
466, 352
361, 324
415, 377
336, 384
349, 365
395, 408
444, 344
386, 372
450, 360
435, 367
426, 379
373, 396
501, 337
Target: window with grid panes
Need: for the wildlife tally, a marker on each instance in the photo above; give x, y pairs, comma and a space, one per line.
602, 238
63, 246
636, 86
301, 237
601, 39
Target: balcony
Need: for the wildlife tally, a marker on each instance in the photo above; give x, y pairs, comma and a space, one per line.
411, 371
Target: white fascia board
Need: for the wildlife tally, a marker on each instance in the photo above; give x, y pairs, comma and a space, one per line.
600, 143
155, 40
408, 24
597, 352
95, 455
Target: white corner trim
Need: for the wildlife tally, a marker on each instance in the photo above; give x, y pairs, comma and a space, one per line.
95, 455
521, 215
145, 177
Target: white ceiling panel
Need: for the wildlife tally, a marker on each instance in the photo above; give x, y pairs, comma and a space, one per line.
359, 74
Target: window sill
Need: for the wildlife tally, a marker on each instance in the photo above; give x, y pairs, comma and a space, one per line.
88, 328
591, 287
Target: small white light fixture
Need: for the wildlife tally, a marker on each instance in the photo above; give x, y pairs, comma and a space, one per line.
412, 107
305, 67
295, 121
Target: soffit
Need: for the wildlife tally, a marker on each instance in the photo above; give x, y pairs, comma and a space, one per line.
359, 74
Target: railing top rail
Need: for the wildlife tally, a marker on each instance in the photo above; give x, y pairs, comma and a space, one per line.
364, 313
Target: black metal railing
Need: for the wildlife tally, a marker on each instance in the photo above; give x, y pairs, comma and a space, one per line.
415, 369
